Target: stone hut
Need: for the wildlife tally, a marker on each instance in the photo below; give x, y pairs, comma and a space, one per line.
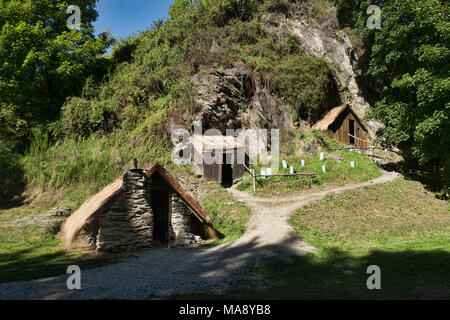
143, 209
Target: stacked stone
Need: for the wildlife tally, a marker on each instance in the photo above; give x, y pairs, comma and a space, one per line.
190, 186
183, 224
128, 224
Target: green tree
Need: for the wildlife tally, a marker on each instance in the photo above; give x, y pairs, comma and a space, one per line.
42, 62
410, 53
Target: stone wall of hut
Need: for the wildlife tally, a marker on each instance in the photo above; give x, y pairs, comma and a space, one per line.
185, 226
128, 224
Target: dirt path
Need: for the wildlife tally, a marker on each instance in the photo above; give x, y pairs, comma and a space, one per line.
268, 222
181, 271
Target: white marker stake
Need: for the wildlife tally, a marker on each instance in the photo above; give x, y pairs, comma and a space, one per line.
352, 164
269, 171
291, 170
284, 164
303, 163
263, 173
321, 156
324, 170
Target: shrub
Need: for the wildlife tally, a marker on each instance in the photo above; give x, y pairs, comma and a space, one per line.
81, 117
221, 11
305, 83
281, 6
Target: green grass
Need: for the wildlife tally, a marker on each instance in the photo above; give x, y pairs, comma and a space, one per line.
338, 172
394, 215
29, 252
229, 216
73, 170
398, 226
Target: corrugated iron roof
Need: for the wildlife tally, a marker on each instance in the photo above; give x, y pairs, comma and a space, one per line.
217, 142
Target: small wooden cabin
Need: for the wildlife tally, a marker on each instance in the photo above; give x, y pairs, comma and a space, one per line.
229, 152
341, 123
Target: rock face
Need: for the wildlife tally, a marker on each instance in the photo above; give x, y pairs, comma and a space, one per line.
323, 40
237, 98
51, 220
223, 95
129, 223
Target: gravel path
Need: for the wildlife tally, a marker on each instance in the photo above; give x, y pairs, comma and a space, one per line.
163, 272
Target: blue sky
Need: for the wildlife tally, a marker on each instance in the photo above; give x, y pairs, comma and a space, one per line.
126, 17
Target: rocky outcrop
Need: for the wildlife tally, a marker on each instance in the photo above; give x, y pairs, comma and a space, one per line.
237, 98
322, 39
50, 221
223, 95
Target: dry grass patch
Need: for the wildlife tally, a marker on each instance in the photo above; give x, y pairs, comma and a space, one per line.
388, 215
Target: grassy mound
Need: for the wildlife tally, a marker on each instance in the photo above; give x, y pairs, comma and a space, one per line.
338, 170
356, 229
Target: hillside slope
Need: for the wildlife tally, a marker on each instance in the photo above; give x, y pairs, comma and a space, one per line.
256, 64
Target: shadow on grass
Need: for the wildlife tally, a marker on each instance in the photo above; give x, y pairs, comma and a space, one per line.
432, 181
12, 185
21, 265
404, 275
249, 270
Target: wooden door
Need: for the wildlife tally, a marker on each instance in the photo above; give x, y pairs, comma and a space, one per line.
160, 206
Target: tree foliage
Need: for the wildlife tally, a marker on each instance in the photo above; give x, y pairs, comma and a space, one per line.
410, 53
42, 62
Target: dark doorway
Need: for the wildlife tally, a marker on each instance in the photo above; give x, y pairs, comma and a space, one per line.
160, 206
352, 131
227, 171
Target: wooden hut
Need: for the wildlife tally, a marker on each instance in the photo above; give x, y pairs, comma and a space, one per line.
341, 123
229, 152
138, 210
